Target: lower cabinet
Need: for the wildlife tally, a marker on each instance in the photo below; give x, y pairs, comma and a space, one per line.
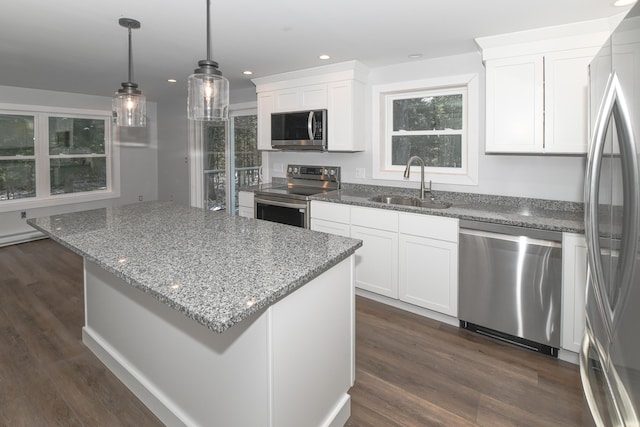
428, 262
377, 260
245, 204
574, 286
409, 257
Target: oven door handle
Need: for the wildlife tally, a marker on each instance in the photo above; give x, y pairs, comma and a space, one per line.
280, 203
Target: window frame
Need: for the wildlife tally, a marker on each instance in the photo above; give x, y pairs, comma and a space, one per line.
43, 197
382, 120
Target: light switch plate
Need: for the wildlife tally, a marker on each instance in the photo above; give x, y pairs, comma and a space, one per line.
360, 173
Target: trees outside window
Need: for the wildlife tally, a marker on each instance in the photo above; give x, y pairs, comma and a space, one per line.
436, 120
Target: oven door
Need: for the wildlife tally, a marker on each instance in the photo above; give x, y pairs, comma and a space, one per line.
284, 211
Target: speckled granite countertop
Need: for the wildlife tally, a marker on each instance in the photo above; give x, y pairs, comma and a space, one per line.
215, 268
523, 212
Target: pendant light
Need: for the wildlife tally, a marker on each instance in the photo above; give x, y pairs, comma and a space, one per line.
208, 96
129, 104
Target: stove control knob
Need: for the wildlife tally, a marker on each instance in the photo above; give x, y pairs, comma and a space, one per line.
295, 170
333, 172
290, 169
326, 172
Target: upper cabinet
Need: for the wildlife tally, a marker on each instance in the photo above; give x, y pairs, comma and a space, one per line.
338, 88
537, 88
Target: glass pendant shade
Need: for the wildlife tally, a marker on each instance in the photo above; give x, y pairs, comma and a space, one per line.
129, 108
208, 97
129, 105
208, 89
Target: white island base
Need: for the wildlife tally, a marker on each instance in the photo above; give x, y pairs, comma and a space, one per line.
290, 364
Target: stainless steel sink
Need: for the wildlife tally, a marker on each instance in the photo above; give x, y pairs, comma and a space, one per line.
409, 201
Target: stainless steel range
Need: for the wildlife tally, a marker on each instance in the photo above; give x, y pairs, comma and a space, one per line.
290, 203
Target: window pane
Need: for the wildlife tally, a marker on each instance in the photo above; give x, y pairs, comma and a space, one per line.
247, 157
69, 135
214, 165
428, 113
17, 179
443, 151
78, 175
16, 135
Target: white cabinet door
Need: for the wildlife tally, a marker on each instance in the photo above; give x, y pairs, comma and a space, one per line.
266, 104
335, 212
310, 97
377, 261
313, 97
330, 227
245, 204
574, 285
515, 105
566, 101
345, 116
428, 273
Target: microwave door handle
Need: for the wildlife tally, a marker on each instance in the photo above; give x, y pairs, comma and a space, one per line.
310, 124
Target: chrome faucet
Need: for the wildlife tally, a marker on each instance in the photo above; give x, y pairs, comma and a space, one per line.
407, 172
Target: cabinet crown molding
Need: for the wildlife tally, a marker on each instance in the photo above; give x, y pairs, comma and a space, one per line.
349, 70
593, 33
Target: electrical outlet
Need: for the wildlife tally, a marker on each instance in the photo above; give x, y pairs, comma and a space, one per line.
23, 215
360, 173
140, 198
171, 198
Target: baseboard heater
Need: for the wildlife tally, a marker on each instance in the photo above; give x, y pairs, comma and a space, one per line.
510, 339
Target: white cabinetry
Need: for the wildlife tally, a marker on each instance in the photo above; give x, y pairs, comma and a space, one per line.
245, 204
346, 121
339, 88
266, 106
574, 282
405, 257
537, 89
428, 262
377, 259
311, 97
331, 218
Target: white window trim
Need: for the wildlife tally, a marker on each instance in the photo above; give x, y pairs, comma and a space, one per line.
437, 175
113, 159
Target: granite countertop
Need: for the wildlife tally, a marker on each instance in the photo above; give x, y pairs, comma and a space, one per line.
215, 268
522, 212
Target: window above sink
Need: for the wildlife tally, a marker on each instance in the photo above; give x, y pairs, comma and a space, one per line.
436, 119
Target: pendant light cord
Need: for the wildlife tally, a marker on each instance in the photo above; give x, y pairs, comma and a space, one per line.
130, 57
208, 30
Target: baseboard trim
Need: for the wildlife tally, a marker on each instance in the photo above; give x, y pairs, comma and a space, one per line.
27, 236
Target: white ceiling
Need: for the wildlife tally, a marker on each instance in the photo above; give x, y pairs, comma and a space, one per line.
78, 46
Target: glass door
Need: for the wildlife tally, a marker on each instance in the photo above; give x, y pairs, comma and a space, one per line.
231, 160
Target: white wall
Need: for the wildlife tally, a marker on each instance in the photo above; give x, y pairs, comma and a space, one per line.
138, 156
545, 177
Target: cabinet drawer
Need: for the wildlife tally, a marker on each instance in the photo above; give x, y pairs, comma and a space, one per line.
433, 227
330, 211
381, 219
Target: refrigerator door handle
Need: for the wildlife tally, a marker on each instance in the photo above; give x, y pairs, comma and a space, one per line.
613, 105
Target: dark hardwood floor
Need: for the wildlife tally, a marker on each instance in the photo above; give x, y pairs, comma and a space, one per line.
411, 371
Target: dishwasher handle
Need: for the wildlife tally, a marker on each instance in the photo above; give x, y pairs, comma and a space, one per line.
512, 238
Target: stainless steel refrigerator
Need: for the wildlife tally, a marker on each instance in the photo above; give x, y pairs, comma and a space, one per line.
610, 356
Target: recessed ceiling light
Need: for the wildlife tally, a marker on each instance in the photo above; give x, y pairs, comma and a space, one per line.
171, 80
621, 3
415, 55
324, 57
247, 72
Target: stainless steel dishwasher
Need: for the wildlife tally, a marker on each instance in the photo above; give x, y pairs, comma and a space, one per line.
510, 284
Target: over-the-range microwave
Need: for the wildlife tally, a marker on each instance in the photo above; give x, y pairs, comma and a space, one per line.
299, 130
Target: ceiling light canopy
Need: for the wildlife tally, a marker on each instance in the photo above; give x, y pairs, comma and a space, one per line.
622, 3
208, 95
129, 104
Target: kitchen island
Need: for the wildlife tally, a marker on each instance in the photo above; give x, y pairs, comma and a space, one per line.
213, 319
